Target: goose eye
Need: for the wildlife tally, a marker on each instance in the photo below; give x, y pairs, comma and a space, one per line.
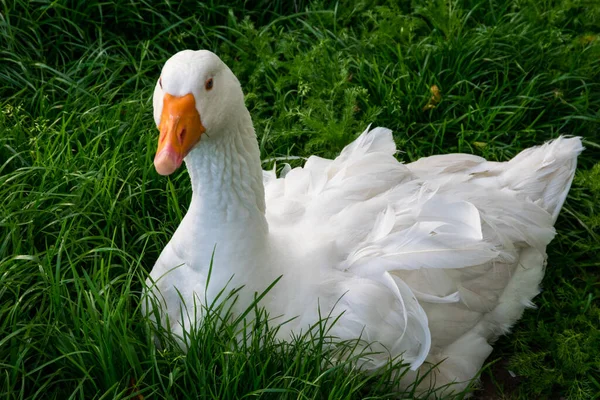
160, 82
209, 84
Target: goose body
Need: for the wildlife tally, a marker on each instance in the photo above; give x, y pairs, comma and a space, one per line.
431, 260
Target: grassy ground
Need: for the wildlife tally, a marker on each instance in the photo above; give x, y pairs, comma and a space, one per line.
83, 215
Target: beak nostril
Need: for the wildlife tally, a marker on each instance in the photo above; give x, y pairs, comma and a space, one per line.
181, 136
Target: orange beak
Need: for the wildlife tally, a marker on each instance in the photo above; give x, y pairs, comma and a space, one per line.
180, 130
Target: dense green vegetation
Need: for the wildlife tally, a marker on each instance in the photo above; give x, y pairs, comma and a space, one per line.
83, 215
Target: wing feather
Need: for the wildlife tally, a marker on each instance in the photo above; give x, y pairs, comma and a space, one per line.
443, 236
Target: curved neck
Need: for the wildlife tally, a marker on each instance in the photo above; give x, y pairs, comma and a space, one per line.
226, 176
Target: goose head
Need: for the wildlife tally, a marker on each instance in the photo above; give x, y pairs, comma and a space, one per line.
194, 99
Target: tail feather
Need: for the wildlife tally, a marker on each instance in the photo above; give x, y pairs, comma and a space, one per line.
544, 173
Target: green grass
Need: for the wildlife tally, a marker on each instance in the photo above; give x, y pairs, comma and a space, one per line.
83, 215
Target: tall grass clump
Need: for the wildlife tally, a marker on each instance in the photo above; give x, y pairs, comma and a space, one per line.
83, 215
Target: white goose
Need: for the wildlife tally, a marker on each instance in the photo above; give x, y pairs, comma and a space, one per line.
432, 260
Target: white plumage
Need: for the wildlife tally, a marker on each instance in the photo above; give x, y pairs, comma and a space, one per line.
433, 260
